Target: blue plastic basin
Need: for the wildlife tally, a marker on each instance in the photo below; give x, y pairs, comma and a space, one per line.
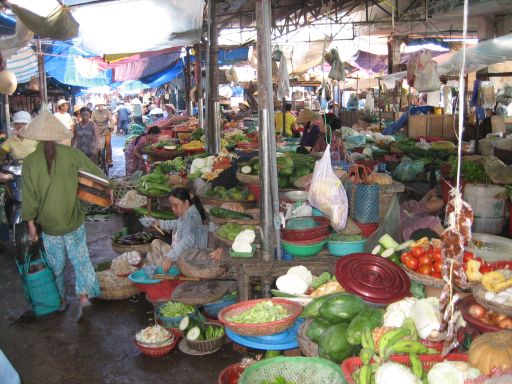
343, 248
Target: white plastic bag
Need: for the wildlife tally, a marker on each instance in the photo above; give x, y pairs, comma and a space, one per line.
422, 72
369, 104
327, 194
283, 88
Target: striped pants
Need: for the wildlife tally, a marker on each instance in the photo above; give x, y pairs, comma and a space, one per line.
74, 244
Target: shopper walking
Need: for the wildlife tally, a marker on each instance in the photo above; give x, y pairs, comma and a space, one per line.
65, 118
50, 179
86, 137
122, 113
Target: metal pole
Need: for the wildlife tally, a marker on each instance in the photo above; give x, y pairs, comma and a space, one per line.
188, 83
213, 135
42, 74
268, 177
199, 85
5, 104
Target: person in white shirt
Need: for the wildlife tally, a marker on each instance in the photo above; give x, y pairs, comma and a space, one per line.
64, 117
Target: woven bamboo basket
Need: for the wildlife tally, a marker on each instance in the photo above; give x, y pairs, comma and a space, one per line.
247, 179
122, 248
479, 295
118, 293
307, 347
424, 279
255, 213
207, 345
120, 189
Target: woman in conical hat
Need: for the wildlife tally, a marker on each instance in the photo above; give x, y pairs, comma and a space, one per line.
50, 181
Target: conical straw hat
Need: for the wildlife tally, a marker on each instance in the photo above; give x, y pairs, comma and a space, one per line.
45, 127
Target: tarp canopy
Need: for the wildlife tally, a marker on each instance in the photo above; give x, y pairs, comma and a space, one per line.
479, 56
23, 64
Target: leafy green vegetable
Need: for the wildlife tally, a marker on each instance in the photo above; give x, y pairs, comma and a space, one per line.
471, 171
417, 290
263, 312
175, 165
173, 309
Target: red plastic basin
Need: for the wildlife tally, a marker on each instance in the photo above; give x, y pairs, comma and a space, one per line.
159, 291
367, 229
321, 229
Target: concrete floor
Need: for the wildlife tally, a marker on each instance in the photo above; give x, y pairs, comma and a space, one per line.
55, 349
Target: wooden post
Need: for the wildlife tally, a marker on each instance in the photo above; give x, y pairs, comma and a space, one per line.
199, 86
188, 85
42, 74
6, 116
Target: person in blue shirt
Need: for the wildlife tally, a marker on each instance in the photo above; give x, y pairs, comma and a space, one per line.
123, 117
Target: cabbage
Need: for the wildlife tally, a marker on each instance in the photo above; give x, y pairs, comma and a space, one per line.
393, 373
291, 284
426, 316
241, 247
451, 372
397, 312
246, 235
301, 272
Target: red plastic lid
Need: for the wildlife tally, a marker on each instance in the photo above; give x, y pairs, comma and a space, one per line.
374, 278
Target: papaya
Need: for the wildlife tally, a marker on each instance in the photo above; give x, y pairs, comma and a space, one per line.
340, 308
335, 344
316, 328
370, 317
310, 311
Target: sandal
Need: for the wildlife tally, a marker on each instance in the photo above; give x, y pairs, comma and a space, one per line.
63, 306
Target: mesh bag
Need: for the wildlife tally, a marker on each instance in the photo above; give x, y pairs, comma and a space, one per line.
303, 370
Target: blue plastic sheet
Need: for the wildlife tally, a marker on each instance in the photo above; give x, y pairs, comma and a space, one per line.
392, 128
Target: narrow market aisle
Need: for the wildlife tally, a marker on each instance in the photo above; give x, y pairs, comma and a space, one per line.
56, 350
118, 170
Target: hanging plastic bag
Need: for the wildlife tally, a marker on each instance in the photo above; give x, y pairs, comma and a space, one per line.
486, 95
59, 25
422, 72
369, 105
283, 88
276, 53
337, 71
327, 194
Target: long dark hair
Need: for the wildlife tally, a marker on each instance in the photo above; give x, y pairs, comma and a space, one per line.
50, 151
184, 195
154, 130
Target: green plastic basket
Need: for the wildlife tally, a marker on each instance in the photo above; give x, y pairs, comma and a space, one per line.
303, 370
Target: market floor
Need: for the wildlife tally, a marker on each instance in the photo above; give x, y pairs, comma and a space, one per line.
56, 350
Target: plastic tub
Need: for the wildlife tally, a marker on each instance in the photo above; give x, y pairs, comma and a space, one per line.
343, 248
489, 209
171, 322
367, 229
303, 250
321, 228
213, 309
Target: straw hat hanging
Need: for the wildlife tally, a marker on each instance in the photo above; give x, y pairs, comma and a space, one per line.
46, 127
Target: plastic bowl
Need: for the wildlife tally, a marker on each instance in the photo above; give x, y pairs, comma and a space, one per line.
172, 322
321, 229
296, 195
149, 270
146, 221
310, 241
343, 248
303, 250
299, 223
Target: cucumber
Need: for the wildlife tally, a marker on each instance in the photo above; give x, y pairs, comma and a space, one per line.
388, 242
377, 250
404, 246
388, 253
184, 323
193, 333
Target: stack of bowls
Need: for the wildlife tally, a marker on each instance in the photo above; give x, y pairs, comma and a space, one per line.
305, 236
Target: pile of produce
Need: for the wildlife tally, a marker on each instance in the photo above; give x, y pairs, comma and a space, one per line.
153, 334
490, 317
236, 193
174, 309
163, 146
174, 166
223, 213
126, 263
471, 171
243, 241
154, 183
299, 281
264, 312
209, 168
290, 167
435, 150
339, 321
132, 200
194, 146
230, 231
134, 239
107, 279
160, 215
202, 331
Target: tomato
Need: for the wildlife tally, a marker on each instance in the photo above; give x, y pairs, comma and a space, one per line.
425, 259
437, 266
425, 269
468, 256
412, 263
436, 254
437, 275
417, 251
405, 257
485, 268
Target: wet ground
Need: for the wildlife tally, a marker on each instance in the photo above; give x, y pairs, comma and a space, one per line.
55, 349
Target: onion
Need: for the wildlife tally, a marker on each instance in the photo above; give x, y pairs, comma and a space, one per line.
476, 310
505, 323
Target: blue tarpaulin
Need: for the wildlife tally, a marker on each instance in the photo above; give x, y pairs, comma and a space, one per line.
392, 128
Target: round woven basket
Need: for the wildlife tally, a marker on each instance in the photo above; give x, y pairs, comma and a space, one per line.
262, 329
479, 295
424, 279
207, 345
247, 179
307, 347
121, 292
212, 201
159, 351
121, 186
122, 248
253, 212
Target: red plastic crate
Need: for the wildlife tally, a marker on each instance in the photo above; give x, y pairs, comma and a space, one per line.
350, 365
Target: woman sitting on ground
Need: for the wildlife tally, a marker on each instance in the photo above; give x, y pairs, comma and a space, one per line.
311, 132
